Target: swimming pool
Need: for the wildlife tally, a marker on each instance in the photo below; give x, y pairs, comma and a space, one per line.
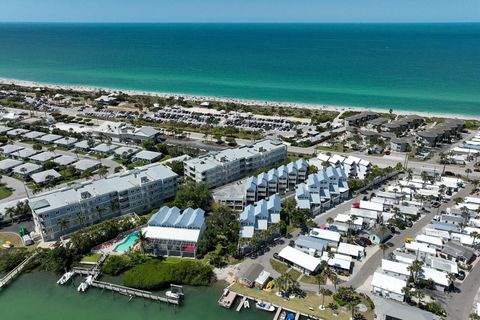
127, 243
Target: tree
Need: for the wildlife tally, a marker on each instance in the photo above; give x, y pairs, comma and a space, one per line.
324, 292
37, 146
333, 306
419, 295
474, 235
63, 224
335, 280
330, 220
451, 280
458, 200
468, 171
48, 165
194, 195
383, 247
415, 268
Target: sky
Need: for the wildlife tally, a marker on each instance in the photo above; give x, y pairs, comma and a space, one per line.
240, 11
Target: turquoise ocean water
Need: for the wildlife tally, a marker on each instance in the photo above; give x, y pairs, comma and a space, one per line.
417, 67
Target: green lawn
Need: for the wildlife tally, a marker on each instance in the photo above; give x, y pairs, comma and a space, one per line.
279, 266
5, 192
91, 258
308, 279
308, 305
294, 273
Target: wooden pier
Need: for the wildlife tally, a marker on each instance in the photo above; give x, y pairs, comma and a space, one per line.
15, 272
241, 304
277, 314
227, 300
132, 292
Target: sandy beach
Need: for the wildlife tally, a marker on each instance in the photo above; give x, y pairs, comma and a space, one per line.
200, 98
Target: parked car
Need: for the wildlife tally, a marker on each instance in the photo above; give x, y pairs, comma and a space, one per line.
461, 275
367, 241
362, 243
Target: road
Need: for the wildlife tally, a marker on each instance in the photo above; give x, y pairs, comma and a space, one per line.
398, 241
460, 304
18, 189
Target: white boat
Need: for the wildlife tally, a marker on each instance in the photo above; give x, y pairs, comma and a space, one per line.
66, 277
173, 295
82, 287
246, 304
265, 306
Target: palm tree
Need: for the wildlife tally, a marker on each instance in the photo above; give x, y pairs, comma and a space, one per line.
415, 268
335, 281
352, 305
23, 170
419, 295
324, 292
468, 171
142, 240
383, 247
474, 235
333, 306
10, 212
407, 292
330, 220
459, 200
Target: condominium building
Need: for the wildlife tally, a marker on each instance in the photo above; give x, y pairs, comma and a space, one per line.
260, 216
323, 190
121, 131
66, 210
279, 180
220, 168
172, 232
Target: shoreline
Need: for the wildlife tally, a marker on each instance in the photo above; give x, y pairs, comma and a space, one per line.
248, 102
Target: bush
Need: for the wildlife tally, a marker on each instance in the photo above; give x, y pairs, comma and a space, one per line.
157, 274
115, 265
9, 259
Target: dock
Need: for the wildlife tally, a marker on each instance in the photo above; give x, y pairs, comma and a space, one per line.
277, 314
241, 304
131, 292
15, 272
227, 299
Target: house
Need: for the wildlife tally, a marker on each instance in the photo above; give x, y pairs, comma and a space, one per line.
104, 148
82, 145
379, 235
33, 135
10, 149
248, 278
147, 156
401, 144
332, 237
343, 222
262, 279
354, 251
49, 138
311, 245
441, 264
454, 250
7, 165
395, 269
26, 169
300, 260
339, 262
47, 176
422, 250
172, 232
17, 132
65, 160
125, 152
43, 157
433, 242
66, 142
85, 165
388, 286
24, 153
123, 132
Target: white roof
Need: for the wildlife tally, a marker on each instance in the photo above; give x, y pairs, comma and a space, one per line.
388, 283
432, 232
472, 200
396, 267
300, 258
422, 247
262, 277
325, 234
371, 205
429, 239
338, 260
345, 218
364, 213
439, 277
179, 234
350, 249
443, 264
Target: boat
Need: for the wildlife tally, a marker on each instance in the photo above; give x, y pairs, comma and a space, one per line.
82, 287
173, 295
66, 277
265, 306
246, 304
283, 315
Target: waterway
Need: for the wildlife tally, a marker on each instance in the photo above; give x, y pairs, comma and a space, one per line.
37, 296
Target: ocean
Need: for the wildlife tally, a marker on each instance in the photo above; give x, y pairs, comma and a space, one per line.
411, 67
